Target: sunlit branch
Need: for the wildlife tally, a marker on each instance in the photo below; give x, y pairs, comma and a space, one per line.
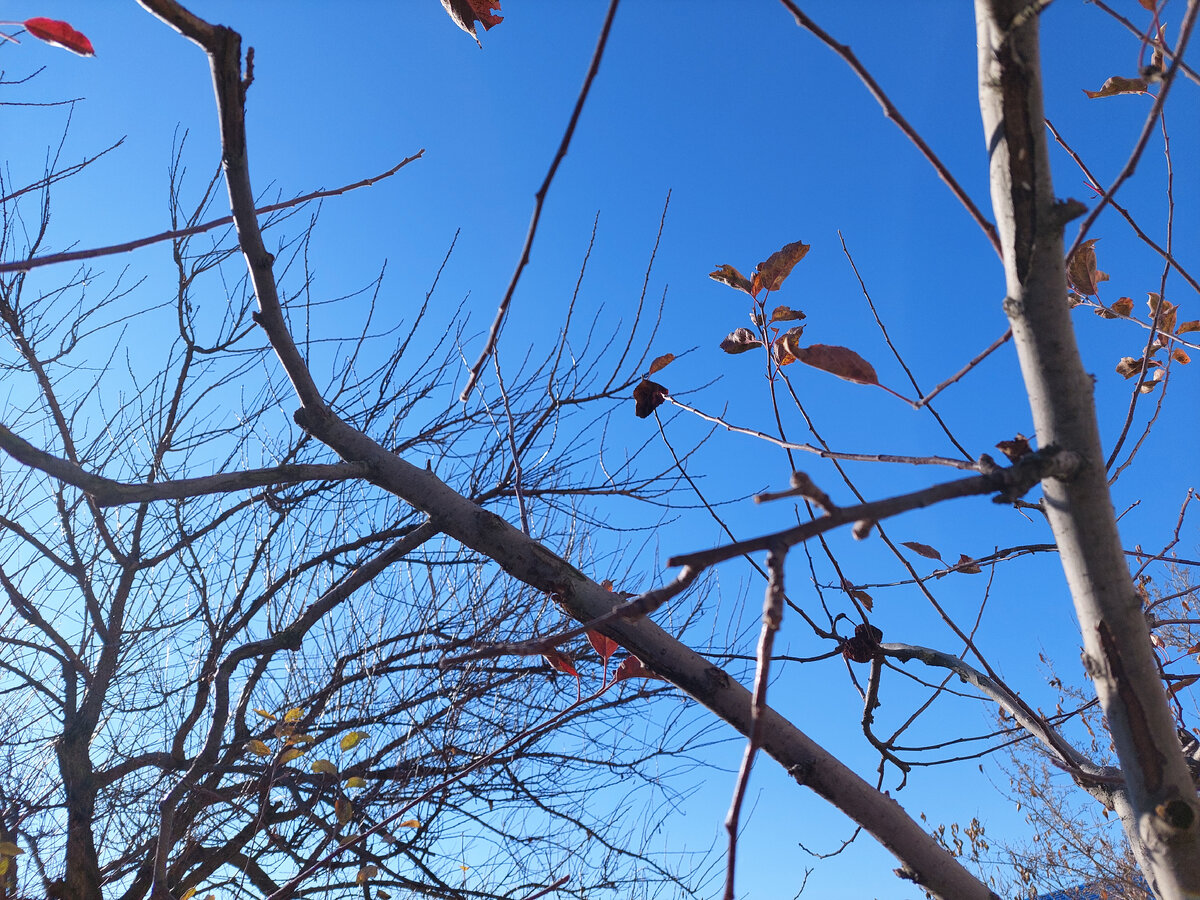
24, 265
108, 492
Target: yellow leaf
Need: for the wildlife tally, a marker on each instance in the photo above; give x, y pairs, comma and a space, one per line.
365, 874
382, 894
350, 740
4, 863
465, 868
300, 739
343, 809
293, 715
409, 823
266, 715
258, 748
355, 781
289, 754
323, 766
8, 848
188, 894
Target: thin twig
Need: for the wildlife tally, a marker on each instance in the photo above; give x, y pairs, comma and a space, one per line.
25, 265
1189, 21
1169, 54
890, 111
540, 199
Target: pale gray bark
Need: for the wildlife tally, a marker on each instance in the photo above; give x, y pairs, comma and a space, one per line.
1162, 819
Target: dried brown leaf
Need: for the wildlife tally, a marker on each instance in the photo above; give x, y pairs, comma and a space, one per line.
732, 277
1185, 327
785, 314
1082, 275
740, 340
840, 361
466, 13
647, 397
967, 565
661, 363
1128, 367
1016, 448
865, 599
772, 271
1119, 85
1180, 356
923, 549
784, 349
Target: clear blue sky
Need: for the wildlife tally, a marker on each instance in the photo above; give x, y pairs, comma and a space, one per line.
764, 138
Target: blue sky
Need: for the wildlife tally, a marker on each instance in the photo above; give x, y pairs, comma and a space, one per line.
763, 137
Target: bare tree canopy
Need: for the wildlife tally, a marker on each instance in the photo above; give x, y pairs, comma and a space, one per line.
340, 586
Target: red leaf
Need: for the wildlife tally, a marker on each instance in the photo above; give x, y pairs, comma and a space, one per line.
632, 667
560, 661
466, 13
967, 565
840, 361
59, 34
603, 644
647, 397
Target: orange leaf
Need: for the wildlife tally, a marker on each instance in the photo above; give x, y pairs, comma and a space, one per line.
1180, 357
740, 340
466, 13
560, 661
923, 549
59, 34
786, 348
660, 363
1118, 85
732, 277
1185, 327
785, 314
864, 598
840, 361
647, 397
778, 265
603, 644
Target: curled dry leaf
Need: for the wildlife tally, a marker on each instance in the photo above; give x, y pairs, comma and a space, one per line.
1164, 313
1082, 274
776, 267
1128, 367
647, 397
864, 645
923, 550
1123, 308
1016, 448
1185, 327
732, 277
343, 809
840, 361
1180, 356
660, 363
740, 340
59, 34
868, 603
786, 314
366, 873
786, 347
967, 565
466, 13
1118, 85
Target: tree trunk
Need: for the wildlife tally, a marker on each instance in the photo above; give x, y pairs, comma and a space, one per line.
1117, 651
